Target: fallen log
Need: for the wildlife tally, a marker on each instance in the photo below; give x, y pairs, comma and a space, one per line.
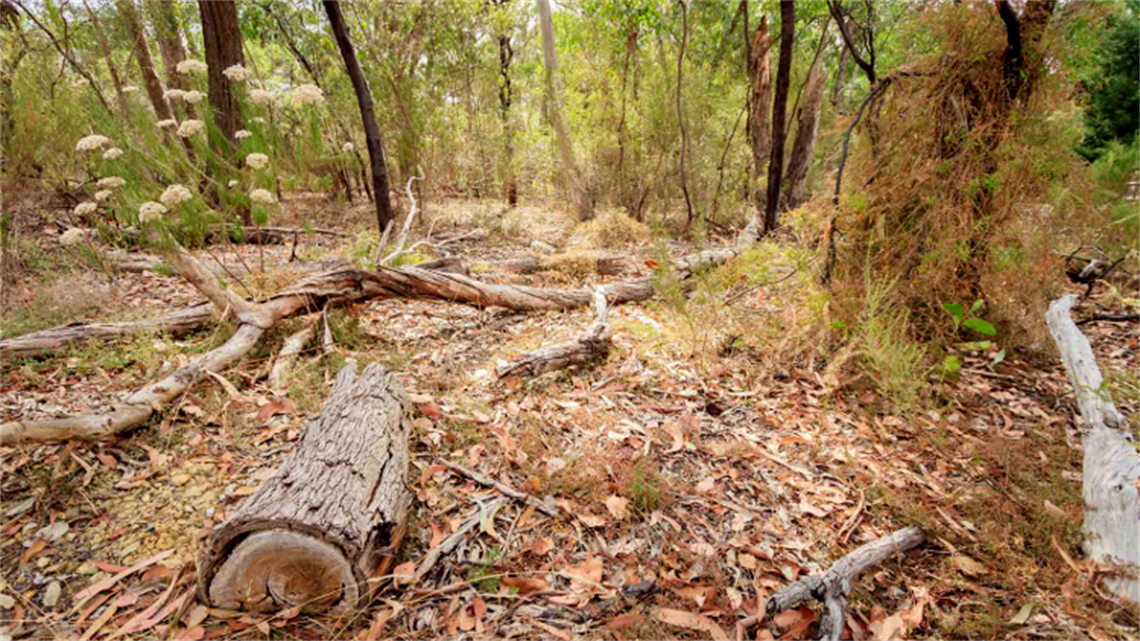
593, 343
602, 265
834, 586
1111, 465
330, 521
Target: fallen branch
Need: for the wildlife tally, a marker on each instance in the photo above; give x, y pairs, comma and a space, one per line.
403, 240
593, 343
537, 504
1111, 466
428, 562
834, 586
1114, 318
293, 347
603, 265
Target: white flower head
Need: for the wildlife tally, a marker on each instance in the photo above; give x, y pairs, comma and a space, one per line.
190, 128
261, 96
308, 95
236, 73
149, 211
259, 120
112, 153
174, 94
175, 195
103, 194
73, 236
347, 147
192, 66
257, 161
167, 124
193, 97
82, 209
261, 197
110, 182
91, 143
233, 183
242, 133
130, 89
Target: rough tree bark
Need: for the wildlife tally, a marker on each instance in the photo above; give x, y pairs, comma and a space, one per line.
382, 198
506, 55
153, 85
169, 38
1111, 466
222, 43
779, 114
578, 191
807, 127
760, 107
680, 110
330, 519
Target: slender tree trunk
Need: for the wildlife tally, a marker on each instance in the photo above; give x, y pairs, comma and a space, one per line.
116, 82
506, 54
382, 198
680, 110
169, 38
779, 114
807, 127
760, 108
570, 167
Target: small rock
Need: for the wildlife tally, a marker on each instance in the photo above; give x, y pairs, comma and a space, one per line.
180, 479
52, 593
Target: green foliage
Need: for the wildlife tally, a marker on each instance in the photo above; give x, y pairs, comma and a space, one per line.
1114, 91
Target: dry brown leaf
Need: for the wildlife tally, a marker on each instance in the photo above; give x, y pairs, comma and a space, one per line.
273, 408
88, 592
618, 507
627, 620
683, 619
404, 572
543, 545
678, 434
436, 536
698, 593
969, 566
888, 629
197, 615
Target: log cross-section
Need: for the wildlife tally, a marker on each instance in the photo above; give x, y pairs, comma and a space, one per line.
330, 519
1111, 462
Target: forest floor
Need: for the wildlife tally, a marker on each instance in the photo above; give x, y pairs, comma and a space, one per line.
691, 486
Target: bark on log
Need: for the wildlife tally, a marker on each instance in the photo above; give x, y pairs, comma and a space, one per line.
330, 519
593, 343
1111, 464
833, 587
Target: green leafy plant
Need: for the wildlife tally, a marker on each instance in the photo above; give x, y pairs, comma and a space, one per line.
958, 313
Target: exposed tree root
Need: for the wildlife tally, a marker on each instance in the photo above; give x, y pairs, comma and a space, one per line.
834, 586
338, 286
593, 343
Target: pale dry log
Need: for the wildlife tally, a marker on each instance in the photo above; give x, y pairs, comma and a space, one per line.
332, 517
50, 340
289, 353
1111, 462
593, 343
603, 265
833, 586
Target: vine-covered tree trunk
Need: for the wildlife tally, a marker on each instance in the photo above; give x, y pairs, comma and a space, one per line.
807, 126
779, 114
578, 191
760, 107
384, 215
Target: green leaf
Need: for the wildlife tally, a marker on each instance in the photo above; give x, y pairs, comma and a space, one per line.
978, 304
956, 311
1022, 615
980, 326
974, 346
951, 366
999, 357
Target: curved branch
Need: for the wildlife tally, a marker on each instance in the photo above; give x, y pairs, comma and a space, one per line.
837, 12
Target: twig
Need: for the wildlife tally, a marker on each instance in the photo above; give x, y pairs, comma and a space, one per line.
504, 489
1115, 318
407, 223
428, 563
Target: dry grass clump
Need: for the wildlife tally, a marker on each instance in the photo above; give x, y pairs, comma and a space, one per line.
610, 228
965, 189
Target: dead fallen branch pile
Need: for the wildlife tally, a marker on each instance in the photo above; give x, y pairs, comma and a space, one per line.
593, 343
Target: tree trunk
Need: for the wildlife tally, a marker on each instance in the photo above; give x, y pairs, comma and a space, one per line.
116, 82
578, 191
760, 108
1111, 467
169, 38
779, 114
807, 126
153, 85
221, 35
680, 111
330, 519
384, 215
506, 55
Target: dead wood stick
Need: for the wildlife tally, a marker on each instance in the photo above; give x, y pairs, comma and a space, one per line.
1111, 467
289, 353
428, 562
1114, 318
833, 586
593, 343
478, 477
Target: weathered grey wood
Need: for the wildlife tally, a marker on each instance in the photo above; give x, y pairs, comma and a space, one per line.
593, 343
1111, 460
339, 501
545, 508
289, 353
834, 586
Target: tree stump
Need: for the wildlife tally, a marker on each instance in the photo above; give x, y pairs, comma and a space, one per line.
330, 519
